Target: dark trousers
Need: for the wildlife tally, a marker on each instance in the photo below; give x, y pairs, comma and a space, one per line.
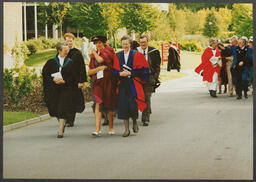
147, 111
241, 85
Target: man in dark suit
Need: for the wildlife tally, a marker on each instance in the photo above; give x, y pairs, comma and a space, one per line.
152, 55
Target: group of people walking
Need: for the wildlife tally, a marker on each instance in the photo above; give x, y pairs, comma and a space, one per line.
122, 83
230, 65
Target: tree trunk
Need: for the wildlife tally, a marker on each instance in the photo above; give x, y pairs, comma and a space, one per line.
114, 39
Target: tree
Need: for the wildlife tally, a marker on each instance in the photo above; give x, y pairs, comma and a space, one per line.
210, 27
87, 17
138, 17
242, 20
177, 21
163, 31
199, 6
111, 13
224, 17
54, 13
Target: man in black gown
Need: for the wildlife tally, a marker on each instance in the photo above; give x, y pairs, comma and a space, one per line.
77, 57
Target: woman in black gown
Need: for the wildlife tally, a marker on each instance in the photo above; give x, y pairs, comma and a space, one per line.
60, 84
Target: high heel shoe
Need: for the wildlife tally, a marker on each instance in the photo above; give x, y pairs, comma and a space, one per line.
111, 132
126, 134
59, 136
95, 133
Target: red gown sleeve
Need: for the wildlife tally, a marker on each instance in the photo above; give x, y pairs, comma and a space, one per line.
140, 61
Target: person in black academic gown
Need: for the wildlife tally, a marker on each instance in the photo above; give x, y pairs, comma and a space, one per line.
77, 57
60, 86
173, 58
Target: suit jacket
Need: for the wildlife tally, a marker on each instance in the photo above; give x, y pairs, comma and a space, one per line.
154, 61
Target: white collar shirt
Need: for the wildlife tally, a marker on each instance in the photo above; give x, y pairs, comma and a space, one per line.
213, 51
126, 56
61, 59
144, 52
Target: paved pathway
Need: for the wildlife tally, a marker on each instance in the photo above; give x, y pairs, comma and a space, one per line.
191, 136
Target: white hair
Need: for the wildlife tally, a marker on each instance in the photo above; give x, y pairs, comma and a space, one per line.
245, 39
212, 40
233, 38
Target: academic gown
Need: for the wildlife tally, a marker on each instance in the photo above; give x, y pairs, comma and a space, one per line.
173, 60
130, 92
206, 65
77, 57
62, 100
104, 89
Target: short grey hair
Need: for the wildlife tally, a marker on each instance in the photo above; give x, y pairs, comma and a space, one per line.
245, 39
233, 38
144, 36
60, 45
212, 40
127, 37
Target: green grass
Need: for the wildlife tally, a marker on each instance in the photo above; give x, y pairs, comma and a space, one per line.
39, 59
189, 60
15, 117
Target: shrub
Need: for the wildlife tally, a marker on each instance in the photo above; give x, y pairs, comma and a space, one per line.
18, 82
20, 52
23, 90
32, 48
193, 46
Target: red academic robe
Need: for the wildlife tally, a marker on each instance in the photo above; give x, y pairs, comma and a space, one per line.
206, 65
140, 75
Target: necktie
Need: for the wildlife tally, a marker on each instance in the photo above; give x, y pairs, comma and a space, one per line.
144, 53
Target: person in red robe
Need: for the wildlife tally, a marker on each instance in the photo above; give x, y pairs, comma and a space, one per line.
210, 67
103, 82
132, 70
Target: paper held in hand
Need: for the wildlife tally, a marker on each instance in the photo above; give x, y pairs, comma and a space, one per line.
57, 75
100, 74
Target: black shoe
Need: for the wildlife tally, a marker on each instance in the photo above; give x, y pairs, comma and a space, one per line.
238, 97
126, 134
245, 96
145, 123
60, 136
213, 93
135, 129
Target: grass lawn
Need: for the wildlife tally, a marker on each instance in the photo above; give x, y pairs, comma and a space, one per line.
189, 60
39, 59
14, 117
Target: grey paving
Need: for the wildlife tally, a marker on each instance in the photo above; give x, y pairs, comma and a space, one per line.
190, 136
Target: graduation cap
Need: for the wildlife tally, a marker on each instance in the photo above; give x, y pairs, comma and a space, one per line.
99, 38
